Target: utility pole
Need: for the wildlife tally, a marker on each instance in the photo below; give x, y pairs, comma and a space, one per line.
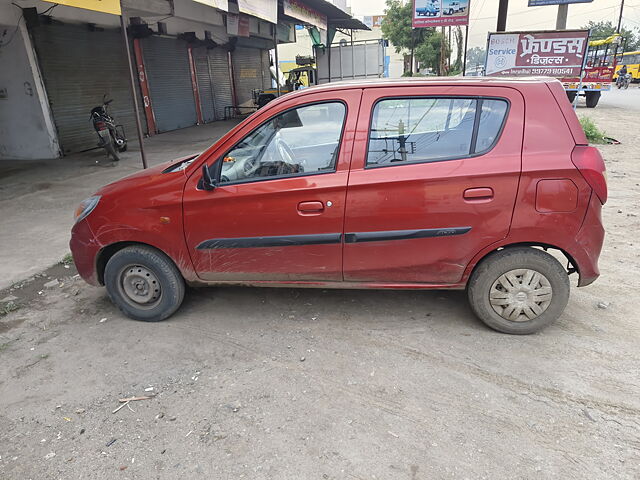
502, 15
620, 17
561, 19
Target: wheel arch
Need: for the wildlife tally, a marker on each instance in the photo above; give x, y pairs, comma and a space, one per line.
483, 255
110, 250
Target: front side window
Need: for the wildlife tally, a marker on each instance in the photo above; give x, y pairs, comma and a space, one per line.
300, 141
432, 129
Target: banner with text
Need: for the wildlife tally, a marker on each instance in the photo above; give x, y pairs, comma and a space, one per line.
542, 3
553, 54
264, 9
440, 13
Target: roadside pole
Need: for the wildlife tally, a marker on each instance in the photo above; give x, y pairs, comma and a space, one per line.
277, 63
620, 16
582, 67
561, 19
132, 85
502, 16
464, 58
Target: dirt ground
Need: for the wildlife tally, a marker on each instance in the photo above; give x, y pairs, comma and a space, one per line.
305, 384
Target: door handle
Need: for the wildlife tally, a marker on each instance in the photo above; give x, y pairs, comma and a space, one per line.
309, 208
478, 194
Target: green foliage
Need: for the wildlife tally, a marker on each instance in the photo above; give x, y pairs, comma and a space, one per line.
396, 27
605, 28
475, 57
591, 130
67, 259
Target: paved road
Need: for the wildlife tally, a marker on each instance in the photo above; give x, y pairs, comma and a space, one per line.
628, 99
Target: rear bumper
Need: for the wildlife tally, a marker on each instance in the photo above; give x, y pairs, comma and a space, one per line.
589, 243
84, 249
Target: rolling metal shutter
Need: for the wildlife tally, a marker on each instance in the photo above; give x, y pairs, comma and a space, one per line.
248, 72
169, 76
205, 84
223, 96
79, 66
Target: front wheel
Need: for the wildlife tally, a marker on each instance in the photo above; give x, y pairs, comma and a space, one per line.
518, 290
592, 99
144, 283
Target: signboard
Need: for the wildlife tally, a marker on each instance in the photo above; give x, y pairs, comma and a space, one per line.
300, 11
264, 9
557, 54
104, 6
219, 4
542, 3
437, 13
373, 21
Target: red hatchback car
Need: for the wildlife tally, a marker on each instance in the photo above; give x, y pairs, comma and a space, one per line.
404, 184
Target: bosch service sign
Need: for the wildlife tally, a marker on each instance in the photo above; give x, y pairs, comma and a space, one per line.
553, 54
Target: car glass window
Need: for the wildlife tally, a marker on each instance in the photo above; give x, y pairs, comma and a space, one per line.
491, 119
303, 140
421, 130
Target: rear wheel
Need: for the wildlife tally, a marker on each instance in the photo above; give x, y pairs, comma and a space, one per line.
518, 290
571, 96
144, 283
592, 99
109, 146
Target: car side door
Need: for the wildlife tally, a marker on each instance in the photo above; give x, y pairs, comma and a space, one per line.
278, 209
434, 179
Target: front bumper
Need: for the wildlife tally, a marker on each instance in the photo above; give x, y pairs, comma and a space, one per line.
85, 249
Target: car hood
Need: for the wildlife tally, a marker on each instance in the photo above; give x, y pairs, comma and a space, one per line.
164, 173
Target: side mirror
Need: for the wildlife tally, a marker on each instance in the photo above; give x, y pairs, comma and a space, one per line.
208, 183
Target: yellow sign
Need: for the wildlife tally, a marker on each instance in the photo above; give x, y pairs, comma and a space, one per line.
104, 6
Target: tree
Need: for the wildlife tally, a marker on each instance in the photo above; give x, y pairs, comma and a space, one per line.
429, 52
457, 66
603, 29
396, 27
475, 58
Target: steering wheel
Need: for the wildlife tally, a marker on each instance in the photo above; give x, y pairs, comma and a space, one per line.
285, 151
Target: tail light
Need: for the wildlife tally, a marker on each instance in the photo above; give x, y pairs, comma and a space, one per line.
590, 164
100, 125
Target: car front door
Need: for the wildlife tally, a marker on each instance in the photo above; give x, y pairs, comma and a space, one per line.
433, 182
278, 209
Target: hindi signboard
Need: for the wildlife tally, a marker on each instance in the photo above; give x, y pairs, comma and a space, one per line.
438, 13
557, 54
542, 3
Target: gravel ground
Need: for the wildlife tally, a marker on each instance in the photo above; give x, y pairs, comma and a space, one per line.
303, 384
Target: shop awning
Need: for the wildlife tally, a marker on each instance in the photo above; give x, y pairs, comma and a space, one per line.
336, 17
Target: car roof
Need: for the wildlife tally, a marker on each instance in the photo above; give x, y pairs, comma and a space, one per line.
430, 81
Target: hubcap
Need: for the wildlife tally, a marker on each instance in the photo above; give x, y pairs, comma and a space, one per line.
140, 286
520, 295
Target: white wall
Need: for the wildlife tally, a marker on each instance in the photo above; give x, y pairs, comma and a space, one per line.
27, 131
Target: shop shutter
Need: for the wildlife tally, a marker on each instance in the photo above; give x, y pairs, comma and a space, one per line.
266, 73
169, 76
223, 96
79, 66
205, 84
248, 72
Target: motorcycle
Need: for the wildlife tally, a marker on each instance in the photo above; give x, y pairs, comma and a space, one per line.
623, 81
111, 136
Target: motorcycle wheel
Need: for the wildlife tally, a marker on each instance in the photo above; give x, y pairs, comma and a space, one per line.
626, 85
122, 148
109, 146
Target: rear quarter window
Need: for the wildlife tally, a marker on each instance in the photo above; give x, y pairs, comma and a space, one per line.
414, 130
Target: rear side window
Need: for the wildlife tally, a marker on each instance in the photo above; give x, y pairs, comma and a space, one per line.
409, 130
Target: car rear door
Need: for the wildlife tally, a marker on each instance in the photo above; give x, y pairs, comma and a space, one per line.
278, 211
421, 200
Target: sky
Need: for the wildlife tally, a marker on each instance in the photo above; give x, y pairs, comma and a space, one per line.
521, 17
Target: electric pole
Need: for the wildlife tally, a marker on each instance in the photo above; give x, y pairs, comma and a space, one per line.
620, 17
502, 15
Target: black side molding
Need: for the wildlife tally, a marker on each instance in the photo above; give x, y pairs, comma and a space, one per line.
403, 234
282, 241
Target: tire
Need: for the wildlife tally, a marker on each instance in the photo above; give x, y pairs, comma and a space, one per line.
122, 148
571, 96
485, 287
592, 99
111, 150
149, 268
